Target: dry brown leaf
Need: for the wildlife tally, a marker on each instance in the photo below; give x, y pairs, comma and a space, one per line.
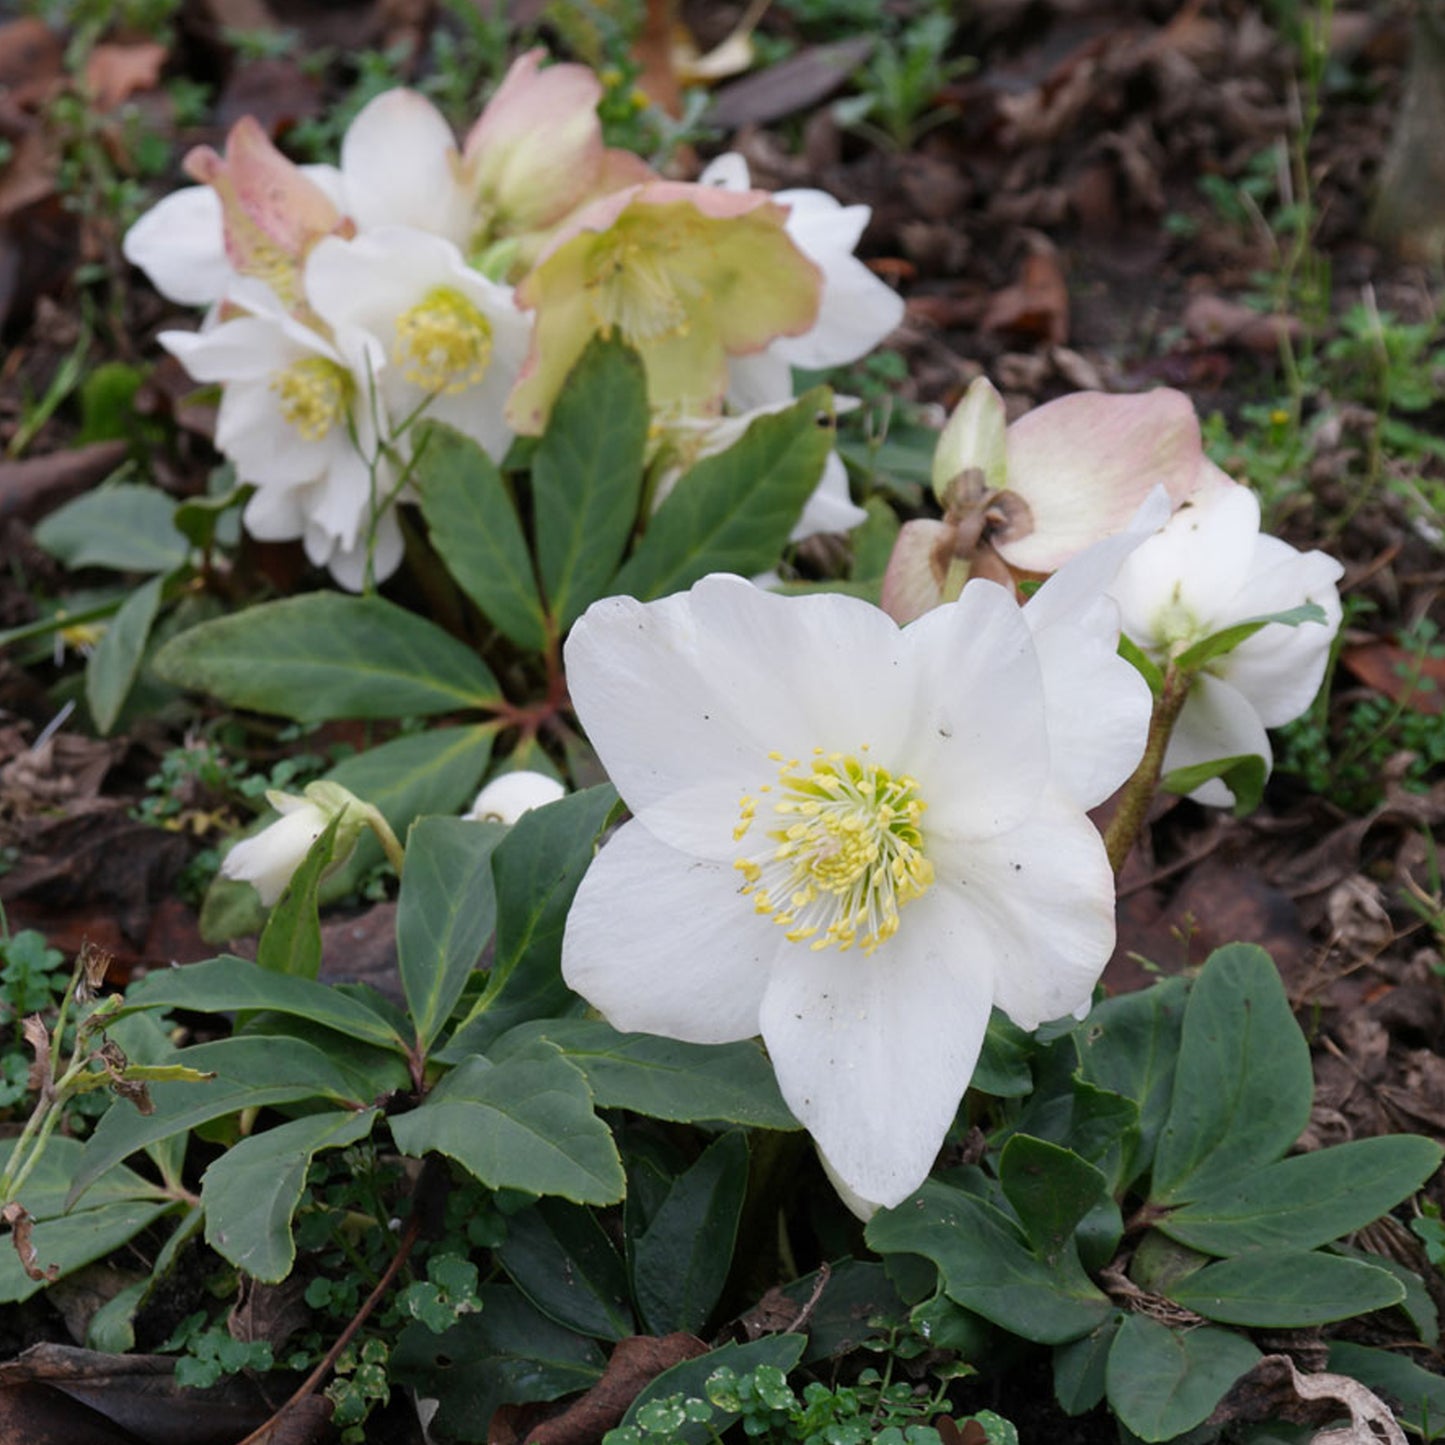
793, 85
1037, 304
1401, 675
21, 1226
1276, 1389
114, 73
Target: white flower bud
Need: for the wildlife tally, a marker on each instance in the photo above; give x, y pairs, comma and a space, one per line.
269, 860
506, 798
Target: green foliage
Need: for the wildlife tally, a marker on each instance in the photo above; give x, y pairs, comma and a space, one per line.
1175, 1113
212, 1352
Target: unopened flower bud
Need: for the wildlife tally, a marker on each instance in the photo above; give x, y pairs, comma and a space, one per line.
505, 799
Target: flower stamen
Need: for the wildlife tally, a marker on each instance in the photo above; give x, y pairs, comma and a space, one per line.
314, 395
443, 343
848, 851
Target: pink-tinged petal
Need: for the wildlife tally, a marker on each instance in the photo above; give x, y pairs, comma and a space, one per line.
1085, 462
1042, 896
180, 244
973, 440
874, 1051
1280, 668
661, 942
914, 580
1217, 722
537, 148
976, 734
400, 163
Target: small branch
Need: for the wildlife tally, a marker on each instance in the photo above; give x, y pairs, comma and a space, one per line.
1129, 818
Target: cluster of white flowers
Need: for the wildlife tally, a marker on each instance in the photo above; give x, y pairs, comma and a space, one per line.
420, 278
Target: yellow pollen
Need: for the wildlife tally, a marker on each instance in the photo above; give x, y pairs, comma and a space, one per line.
637, 288
314, 395
847, 852
444, 343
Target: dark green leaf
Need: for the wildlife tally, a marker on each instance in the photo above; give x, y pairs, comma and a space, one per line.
1208, 648
1051, 1190
113, 665
1162, 1382
681, 1261
587, 477
562, 1260
525, 1124
474, 527
733, 512
445, 915
1244, 1085
536, 869
291, 941
689, 1379
1286, 1290
76, 1239
324, 655
226, 985
1129, 1045
663, 1078
1308, 1200
128, 528
507, 1353
987, 1265
252, 1190
1081, 1365
1418, 1394
1003, 1063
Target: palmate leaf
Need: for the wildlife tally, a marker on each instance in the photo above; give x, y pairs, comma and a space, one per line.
324, 655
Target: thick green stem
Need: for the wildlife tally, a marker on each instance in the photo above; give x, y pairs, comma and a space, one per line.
1128, 820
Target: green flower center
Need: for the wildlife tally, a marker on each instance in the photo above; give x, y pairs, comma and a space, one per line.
847, 852
444, 343
315, 394
636, 287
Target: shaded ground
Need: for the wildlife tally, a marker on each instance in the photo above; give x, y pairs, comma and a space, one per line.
1107, 200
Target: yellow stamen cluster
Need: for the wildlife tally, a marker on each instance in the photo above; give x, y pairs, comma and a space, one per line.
848, 851
637, 288
314, 395
443, 343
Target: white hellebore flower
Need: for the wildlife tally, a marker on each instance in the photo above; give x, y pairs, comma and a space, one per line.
268, 860
454, 340
857, 309
850, 838
507, 797
1207, 569
295, 421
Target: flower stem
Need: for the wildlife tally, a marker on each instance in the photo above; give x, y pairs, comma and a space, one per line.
1128, 820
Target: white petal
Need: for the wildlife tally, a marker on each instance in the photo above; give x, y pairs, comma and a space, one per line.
1098, 705
268, 860
977, 739
180, 244
830, 508
507, 797
399, 160
1198, 562
1043, 893
675, 699
1280, 669
760, 380
728, 171
276, 513
1216, 722
873, 1052
663, 943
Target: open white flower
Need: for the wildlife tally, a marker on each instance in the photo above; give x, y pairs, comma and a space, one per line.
1207, 569
454, 340
857, 310
294, 420
269, 859
850, 838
